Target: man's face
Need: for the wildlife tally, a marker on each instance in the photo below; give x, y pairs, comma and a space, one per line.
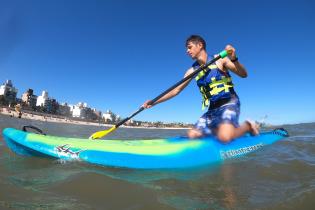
193, 49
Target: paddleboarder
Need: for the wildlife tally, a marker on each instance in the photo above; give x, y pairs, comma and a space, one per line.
218, 93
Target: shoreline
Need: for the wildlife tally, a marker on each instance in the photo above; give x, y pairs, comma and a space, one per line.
50, 118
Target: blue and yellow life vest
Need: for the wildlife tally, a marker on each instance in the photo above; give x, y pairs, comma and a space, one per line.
214, 84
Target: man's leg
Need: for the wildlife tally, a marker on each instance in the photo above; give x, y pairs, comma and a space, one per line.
226, 131
194, 133
201, 127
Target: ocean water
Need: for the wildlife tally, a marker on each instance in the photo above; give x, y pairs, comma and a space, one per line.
280, 176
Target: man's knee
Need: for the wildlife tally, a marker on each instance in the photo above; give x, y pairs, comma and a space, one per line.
225, 136
226, 132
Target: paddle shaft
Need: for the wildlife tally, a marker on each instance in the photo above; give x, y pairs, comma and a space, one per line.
193, 74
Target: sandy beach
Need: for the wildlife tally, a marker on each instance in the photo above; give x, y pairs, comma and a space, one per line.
61, 119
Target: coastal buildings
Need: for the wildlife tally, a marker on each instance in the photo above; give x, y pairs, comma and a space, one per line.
42, 100
43, 104
64, 110
47, 104
29, 99
108, 116
8, 93
81, 110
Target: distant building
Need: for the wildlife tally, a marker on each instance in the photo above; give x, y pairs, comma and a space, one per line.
42, 99
47, 104
93, 114
79, 110
8, 92
29, 99
108, 116
64, 109
54, 106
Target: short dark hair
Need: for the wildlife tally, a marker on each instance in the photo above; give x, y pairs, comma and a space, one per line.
196, 39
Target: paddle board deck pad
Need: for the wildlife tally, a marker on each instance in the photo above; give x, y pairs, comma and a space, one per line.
146, 154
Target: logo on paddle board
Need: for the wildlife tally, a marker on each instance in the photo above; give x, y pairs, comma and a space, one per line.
65, 151
236, 152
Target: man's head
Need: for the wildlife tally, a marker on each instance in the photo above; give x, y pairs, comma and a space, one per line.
195, 44
196, 39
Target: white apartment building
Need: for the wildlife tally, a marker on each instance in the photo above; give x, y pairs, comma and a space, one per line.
42, 99
79, 110
8, 91
108, 116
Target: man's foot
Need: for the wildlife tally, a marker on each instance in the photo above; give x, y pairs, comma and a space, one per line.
253, 127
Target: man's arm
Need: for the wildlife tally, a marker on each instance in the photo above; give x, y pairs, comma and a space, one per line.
234, 66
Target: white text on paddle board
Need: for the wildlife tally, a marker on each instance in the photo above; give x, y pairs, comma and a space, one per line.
236, 152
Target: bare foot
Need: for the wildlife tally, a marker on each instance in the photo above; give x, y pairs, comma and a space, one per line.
254, 127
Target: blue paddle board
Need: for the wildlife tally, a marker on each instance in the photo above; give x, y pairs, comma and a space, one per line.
145, 154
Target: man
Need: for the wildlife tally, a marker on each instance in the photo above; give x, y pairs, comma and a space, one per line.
218, 94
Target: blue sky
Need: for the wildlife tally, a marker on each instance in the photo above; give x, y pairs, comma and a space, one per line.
115, 54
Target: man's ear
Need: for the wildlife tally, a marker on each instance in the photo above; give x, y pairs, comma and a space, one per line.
200, 45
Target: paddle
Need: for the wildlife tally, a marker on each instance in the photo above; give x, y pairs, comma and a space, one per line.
100, 134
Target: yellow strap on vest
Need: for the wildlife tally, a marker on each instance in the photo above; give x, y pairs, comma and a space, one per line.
202, 73
215, 89
205, 103
214, 85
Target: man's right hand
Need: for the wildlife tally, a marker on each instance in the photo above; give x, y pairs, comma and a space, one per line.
147, 104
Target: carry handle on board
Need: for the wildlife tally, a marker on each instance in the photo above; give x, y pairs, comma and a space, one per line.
34, 128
